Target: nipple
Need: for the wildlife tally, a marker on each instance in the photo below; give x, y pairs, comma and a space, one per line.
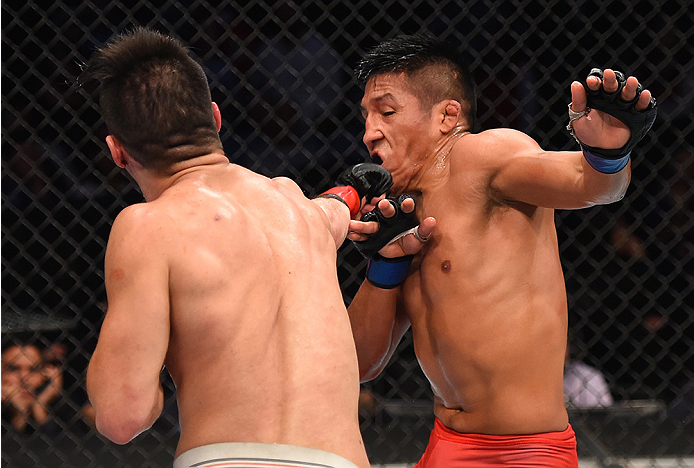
446, 266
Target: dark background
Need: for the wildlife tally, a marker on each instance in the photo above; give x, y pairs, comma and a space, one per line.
282, 74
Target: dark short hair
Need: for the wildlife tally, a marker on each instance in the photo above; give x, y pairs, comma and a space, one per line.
154, 98
436, 70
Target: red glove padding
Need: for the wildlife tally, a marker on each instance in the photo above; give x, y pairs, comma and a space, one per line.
346, 194
365, 180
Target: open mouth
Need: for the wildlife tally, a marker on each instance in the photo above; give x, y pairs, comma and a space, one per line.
376, 159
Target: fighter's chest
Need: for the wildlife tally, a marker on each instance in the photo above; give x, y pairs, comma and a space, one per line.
458, 220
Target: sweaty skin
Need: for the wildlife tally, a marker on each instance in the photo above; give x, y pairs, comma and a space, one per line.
228, 279
485, 297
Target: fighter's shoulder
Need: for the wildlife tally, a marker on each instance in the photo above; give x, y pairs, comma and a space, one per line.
289, 191
252, 182
489, 150
500, 140
286, 185
136, 221
132, 236
136, 215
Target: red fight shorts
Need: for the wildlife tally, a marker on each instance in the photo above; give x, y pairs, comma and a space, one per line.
450, 449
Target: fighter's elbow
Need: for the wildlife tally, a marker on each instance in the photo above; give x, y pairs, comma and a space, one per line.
611, 196
606, 191
125, 423
619, 190
369, 375
618, 196
370, 369
117, 428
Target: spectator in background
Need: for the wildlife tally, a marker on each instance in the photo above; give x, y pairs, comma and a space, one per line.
32, 381
584, 385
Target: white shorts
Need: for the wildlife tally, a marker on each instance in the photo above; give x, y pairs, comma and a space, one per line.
255, 455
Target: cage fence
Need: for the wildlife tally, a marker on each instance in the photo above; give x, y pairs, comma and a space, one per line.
282, 74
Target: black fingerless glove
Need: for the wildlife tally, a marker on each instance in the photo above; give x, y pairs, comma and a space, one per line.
388, 228
638, 122
387, 273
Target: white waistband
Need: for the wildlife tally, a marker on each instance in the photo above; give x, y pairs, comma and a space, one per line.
256, 455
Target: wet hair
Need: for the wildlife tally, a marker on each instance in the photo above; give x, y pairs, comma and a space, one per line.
434, 68
154, 98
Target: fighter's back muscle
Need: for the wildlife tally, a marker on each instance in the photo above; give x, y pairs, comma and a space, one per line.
253, 290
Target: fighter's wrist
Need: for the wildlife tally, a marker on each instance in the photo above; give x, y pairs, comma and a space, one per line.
605, 165
347, 195
388, 273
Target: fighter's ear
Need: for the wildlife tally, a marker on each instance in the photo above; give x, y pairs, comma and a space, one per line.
118, 153
217, 115
450, 112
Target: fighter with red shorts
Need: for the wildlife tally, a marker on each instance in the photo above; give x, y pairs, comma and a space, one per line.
485, 295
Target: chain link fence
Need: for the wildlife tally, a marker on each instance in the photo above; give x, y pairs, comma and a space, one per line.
281, 73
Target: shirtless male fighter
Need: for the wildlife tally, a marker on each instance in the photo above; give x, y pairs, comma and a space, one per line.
224, 276
485, 296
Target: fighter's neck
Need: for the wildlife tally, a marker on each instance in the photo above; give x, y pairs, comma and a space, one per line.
153, 184
436, 168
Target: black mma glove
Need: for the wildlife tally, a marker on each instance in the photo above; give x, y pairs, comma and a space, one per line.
370, 180
388, 228
387, 273
638, 122
362, 180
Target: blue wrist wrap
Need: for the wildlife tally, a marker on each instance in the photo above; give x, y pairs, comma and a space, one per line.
604, 165
387, 273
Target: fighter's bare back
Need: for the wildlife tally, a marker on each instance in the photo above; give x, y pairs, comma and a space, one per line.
258, 328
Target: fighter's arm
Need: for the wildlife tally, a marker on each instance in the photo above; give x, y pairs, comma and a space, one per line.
551, 179
123, 378
378, 320
568, 179
337, 215
356, 186
377, 325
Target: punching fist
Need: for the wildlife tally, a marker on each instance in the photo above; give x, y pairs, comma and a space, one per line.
365, 180
369, 180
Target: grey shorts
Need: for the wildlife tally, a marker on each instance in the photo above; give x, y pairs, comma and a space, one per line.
254, 455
